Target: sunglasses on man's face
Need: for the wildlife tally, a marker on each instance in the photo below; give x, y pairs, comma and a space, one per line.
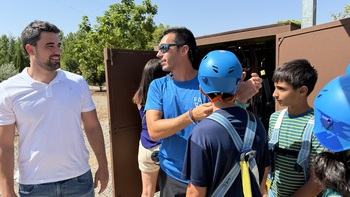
165, 47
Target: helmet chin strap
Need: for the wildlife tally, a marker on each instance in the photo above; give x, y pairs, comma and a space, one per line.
218, 97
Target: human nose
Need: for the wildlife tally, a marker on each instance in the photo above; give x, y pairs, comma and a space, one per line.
58, 51
275, 93
159, 54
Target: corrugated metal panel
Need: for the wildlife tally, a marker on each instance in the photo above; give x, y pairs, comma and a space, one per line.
326, 46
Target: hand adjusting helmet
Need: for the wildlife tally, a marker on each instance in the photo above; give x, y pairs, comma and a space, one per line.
332, 114
219, 72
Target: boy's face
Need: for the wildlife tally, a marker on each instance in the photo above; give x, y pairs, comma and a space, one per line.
285, 95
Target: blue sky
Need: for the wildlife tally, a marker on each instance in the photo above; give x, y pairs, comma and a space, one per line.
203, 17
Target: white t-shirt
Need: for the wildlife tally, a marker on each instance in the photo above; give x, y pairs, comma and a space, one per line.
48, 119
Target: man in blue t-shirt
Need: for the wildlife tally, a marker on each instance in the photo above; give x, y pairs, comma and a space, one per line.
171, 98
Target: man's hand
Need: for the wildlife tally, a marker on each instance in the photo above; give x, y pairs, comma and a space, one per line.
247, 89
101, 176
202, 111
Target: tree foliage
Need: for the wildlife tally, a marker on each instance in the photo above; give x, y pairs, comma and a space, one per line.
292, 21
21, 59
69, 60
4, 49
342, 15
124, 26
7, 70
11, 52
157, 35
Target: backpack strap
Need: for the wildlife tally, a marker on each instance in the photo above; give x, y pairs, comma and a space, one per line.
247, 155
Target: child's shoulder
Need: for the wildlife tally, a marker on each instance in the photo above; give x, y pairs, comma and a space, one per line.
277, 113
309, 112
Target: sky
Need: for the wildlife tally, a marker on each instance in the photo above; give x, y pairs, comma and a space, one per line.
202, 17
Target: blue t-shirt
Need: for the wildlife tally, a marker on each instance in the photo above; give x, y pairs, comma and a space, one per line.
211, 153
174, 99
146, 140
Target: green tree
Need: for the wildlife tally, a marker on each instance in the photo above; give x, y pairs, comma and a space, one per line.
341, 15
157, 35
4, 50
6, 71
89, 52
11, 49
69, 60
123, 26
11, 52
21, 59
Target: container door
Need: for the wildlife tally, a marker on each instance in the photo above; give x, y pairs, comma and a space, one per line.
326, 46
123, 73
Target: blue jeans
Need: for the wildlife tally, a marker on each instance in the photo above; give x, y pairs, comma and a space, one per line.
81, 186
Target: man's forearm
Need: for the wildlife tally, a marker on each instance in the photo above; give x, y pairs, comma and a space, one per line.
97, 144
160, 128
163, 128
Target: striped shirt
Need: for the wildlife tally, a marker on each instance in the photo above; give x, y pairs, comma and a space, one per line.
287, 180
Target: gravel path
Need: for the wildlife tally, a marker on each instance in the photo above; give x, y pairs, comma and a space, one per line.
100, 99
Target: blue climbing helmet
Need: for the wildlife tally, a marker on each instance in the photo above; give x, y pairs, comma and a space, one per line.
220, 72
347, 69
332, 114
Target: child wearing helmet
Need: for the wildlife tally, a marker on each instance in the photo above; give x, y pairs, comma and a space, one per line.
332, 129
291, 141
211, 152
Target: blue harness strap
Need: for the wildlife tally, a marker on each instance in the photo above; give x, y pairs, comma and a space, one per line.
244, 147
303, 156
303, 160
276, 131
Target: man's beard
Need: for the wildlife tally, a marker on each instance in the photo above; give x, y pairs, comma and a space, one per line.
53, 66
49, 66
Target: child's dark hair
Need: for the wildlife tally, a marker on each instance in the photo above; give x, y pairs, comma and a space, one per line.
332, 171
151, 71
297, 73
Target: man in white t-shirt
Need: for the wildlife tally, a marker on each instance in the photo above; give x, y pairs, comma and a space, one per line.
48, 106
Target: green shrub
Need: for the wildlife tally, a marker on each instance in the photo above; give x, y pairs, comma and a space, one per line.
7, 71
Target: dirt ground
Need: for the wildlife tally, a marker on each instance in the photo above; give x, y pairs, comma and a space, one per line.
100, 99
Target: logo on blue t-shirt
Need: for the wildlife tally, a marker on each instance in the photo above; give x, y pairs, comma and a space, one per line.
197, 101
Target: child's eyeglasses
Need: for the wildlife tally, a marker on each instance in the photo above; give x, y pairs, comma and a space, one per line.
165, 47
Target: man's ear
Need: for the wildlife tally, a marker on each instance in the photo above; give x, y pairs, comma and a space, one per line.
185, 48
30, 49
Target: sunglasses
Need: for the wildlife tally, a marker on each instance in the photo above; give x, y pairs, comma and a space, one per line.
165, 47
